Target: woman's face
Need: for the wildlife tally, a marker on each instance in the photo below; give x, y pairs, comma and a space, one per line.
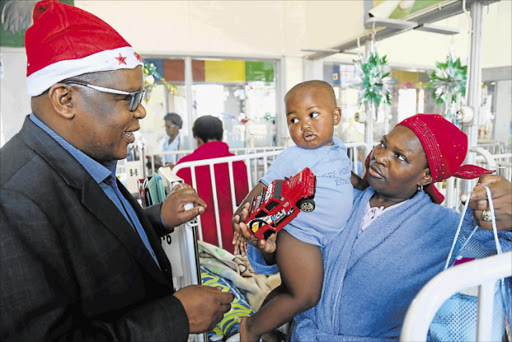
171, 129
398, 165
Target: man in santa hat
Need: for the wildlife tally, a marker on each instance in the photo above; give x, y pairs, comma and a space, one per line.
80, 259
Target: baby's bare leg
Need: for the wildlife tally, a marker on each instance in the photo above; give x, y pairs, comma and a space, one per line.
301, 268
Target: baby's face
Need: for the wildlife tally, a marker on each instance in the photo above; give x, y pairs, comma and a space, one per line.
311, 114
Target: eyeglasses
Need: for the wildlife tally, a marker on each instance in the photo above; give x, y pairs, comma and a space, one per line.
136, 96
170, 126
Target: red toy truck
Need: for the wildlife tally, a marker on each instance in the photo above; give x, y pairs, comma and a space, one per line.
280, 202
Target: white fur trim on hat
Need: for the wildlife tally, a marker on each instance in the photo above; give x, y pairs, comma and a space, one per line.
108, 60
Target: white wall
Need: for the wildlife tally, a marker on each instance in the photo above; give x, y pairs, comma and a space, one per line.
423, 48
274, 28
283, 28
14, 101
502, 133
232, 28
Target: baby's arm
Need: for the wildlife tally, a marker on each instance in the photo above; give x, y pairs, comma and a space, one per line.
239, 241
302, 272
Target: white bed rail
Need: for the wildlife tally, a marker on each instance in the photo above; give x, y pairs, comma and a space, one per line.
256, 167
357, 153
482, 273
151, 159
454, 187
501, 162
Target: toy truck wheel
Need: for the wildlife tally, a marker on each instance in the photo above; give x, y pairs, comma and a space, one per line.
306, 205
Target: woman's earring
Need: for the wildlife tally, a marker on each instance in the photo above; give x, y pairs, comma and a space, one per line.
420, 187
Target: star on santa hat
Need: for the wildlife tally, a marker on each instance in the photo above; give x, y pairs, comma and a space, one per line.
121, 59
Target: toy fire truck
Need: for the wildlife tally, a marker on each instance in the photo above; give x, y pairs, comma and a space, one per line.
280, 202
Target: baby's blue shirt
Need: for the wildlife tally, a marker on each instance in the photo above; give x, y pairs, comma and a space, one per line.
333, 197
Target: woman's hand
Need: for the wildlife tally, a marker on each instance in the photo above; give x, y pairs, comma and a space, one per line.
501, 190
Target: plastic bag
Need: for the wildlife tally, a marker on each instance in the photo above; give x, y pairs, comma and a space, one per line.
456, 320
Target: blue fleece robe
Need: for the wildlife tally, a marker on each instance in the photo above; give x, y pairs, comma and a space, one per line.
372, 277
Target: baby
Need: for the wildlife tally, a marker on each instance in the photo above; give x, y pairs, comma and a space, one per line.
312, 114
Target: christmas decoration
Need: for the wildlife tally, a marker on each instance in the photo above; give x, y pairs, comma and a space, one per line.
150, 74
448, 80
373, 79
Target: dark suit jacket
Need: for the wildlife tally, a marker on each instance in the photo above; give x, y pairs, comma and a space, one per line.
72, 267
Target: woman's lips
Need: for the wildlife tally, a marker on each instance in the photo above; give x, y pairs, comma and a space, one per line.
374, 173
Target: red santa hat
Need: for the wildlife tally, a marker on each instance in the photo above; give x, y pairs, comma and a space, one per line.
65, 41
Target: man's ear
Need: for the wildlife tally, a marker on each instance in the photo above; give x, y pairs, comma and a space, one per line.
199, 141
426, 179
337, 115
61, 98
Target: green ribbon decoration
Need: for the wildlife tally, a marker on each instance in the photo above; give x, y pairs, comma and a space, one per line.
448, 80
373, 79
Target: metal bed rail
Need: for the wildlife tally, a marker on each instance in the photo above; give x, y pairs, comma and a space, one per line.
256, 167
482, 273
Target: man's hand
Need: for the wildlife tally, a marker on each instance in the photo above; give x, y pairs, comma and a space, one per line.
205, 306
173, 208
501, 190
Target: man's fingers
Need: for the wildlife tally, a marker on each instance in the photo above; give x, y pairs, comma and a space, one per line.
193, 212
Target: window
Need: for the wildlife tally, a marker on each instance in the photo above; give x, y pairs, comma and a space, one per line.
242, 93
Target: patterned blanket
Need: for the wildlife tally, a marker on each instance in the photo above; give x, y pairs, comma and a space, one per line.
234, 274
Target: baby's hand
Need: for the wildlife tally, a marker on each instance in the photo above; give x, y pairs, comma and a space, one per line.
239, 241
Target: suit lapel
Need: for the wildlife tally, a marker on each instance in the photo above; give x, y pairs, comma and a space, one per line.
154, 240
114, 220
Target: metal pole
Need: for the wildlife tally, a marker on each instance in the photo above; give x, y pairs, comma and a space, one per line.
474, 76
189, 99
473, 85
370, 110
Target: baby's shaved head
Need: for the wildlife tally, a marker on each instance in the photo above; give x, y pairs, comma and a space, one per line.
317, 85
